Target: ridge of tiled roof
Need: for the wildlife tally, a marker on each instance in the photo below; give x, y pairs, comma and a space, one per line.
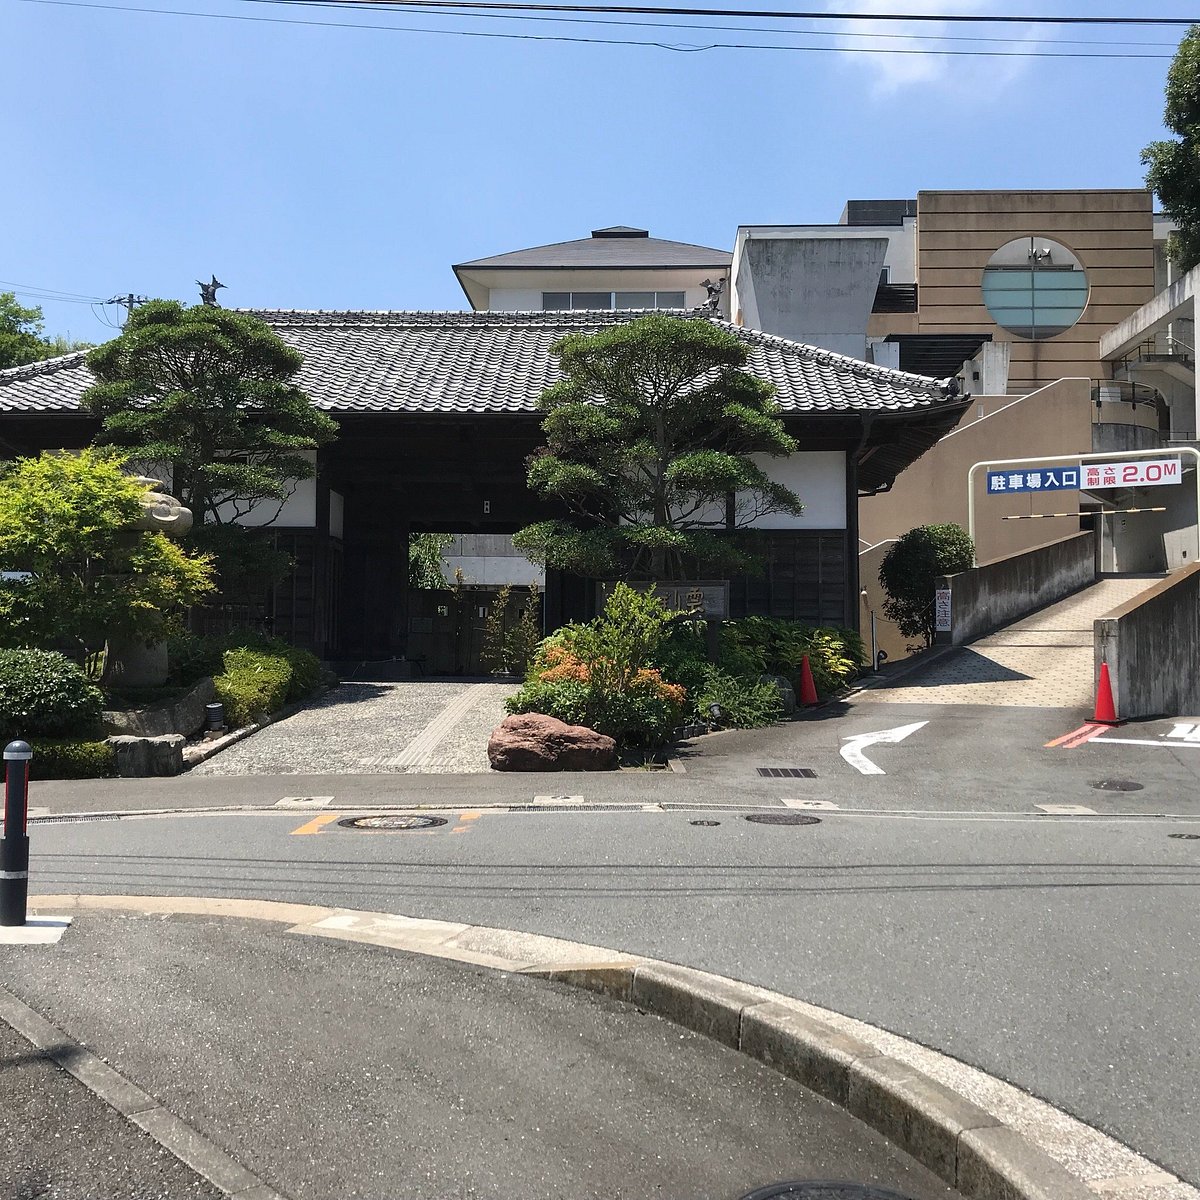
491, 362
43, 366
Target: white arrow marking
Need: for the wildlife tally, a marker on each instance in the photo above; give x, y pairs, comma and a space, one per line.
852, 752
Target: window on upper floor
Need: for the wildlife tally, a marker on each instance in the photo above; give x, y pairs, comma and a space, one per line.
563, 301
1035, 288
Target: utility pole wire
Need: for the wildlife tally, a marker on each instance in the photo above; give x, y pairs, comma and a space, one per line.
973, 18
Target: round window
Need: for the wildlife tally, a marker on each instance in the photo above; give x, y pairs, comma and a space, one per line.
1035, 288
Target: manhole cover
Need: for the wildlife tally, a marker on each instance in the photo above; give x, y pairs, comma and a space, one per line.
786, 772
397, 822
818, 1190
706, 823
1117, 785
782, 818
1185, 837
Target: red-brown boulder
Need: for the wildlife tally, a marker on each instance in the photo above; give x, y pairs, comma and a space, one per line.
534, 742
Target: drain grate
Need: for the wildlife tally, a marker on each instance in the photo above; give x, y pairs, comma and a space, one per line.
823, 1190
1117, 785
705, 823
1185, 837
786, 772
394, 822
782, 818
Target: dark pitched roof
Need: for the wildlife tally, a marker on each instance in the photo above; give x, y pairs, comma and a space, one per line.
492, 362
619, 247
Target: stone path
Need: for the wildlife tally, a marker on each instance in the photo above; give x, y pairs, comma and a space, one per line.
1042, 661
363, 727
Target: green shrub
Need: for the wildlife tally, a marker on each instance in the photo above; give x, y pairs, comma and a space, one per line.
754, 646
192, 657
640, 716
44, 694
307, 672
62, 758
252, 684
746, 701
910, 570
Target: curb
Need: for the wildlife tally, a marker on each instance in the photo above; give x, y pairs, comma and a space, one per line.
202, 752
185, 1142
981, 1135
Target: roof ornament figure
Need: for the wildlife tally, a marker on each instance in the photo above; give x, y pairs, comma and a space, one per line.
208, 291
714, 293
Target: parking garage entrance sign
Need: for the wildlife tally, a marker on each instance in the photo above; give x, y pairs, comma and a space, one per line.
1153, 472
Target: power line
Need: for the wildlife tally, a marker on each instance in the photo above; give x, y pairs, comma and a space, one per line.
531, 37
45, 293
873, 35
967, 18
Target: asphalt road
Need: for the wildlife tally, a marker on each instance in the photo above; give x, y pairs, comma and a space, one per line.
963, 758
60, 1142
332, 1069
1055, 952
939, 899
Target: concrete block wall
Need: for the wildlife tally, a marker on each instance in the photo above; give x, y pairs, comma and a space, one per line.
991, 595
1152, 648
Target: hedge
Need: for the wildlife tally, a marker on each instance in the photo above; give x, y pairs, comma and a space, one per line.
44, 694
252, 685
63, 758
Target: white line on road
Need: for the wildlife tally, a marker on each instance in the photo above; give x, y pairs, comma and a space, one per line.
1177, 745
852, 752
821, 805
1067, 810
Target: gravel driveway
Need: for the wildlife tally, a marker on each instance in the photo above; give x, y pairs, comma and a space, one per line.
364, 727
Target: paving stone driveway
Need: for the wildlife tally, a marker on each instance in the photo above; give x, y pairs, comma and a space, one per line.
361, 727
1042, 661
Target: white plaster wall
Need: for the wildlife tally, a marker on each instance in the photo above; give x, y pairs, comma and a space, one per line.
818, 477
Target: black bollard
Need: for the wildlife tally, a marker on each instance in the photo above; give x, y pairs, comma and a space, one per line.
14, 845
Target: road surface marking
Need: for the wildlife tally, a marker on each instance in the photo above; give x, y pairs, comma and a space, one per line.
1187, 730
852, 752
303, 802
822, 805
1067, 810
1187, 745
314, 826
1084, 733
558, 799
465, 820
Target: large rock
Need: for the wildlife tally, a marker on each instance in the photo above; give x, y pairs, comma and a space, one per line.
139, 757
534, 742
185, 715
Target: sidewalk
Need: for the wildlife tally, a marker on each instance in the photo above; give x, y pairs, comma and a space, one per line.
67, 1143
335, 1069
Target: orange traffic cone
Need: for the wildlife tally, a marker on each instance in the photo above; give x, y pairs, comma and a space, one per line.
808, 689
1106, 710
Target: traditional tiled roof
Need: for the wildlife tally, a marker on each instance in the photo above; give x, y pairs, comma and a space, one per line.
490, 362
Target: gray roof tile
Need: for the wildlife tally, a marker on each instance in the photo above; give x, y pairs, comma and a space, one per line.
481, 362
607, 248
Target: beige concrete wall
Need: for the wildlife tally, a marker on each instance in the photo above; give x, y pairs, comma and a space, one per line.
1111, 233
1055, 420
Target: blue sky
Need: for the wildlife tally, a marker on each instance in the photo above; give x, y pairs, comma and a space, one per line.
349, 168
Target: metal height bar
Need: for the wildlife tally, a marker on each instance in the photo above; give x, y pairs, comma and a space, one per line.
1068, 459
